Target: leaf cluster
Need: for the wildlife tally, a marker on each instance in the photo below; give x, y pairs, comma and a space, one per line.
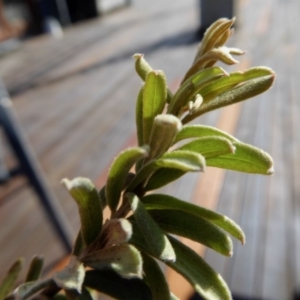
119, 256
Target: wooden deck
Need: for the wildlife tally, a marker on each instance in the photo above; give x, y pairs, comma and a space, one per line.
75, 100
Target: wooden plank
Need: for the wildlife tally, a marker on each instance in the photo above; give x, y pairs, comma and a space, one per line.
51, 107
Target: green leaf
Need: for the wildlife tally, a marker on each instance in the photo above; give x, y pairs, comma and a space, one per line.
210, 146
191, 87
169, 96
208, 283
78, 245
110, 283
164, 130
246, 158
162, 177
154, 100
185, 161
160, 201
103, 197
118, 173
139, 117
155, 278
199, 131
124, 259
182, 159
156, 240
143, 69
72, 276
30, 288
9, 280
223, 84
89, 205
232, 89
193, 227
181, 97
141, 66
35, 268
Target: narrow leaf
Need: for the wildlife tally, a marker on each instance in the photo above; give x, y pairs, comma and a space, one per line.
155, 278
182, 159
154, 100
124, 259
193, 227
141, 66
199, 131
248, 90
30, 288
102, 196
160, 201
211, 38
208, 283
209, 146
223, 38
201, 76
35, 268
89, 205
226, 83
118, 172
9, 280
185, 161
72, 276
246, 158
164, 130
79, 245
222, 54
242, 92
208, 34
162, 177
169, 96
181, 97
112, 284
155, 238
191, 87
139, 117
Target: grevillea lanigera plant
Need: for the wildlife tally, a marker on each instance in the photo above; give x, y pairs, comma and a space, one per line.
119, 256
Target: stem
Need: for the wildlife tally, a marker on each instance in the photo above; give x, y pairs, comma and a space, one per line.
122, 211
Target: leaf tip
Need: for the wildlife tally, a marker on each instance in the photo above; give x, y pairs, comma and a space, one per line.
270, 170
233, 20
66, 183
232, 148
137, 56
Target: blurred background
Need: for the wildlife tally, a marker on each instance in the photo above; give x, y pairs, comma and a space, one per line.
66, 66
